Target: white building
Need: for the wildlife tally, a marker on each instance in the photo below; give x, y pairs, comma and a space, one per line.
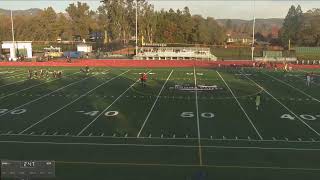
22, 47
84, 48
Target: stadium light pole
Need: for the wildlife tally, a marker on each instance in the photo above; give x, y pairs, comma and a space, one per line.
136, 27
253, 31
13, 43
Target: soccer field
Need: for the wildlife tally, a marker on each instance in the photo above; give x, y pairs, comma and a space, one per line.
106, 125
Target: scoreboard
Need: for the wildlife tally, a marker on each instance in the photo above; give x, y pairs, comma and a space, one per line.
27, 169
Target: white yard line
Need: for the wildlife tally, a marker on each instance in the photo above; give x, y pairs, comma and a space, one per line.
197, 114
8, 77
35, 86
245, 113
123, 93
161, 145
145, 121
317, 84
189, 165
303, 79
302, 92
66, 105
41, 97
166, 138
302, 121
12, 83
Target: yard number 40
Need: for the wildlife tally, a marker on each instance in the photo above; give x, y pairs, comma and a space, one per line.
307, 117
191, 114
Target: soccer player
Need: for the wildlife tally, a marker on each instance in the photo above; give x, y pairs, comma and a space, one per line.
69, 59
47, 73
308, 79
258, 101
30, 74
143, 79
36, 74
87, 69
59, 74
286, 67
54, 74
41, 73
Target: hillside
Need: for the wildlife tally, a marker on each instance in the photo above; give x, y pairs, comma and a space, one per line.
32, 11
263, 26
259, 22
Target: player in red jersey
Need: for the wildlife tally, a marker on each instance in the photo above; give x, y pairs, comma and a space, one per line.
143, 78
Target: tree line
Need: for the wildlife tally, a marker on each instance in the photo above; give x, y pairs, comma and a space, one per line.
302, 29
115, 19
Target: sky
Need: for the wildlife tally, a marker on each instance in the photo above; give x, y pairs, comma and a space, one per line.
219, 9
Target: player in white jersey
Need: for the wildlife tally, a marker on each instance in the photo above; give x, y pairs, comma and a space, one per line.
308, 78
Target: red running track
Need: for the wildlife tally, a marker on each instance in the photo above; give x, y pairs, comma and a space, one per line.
144, 63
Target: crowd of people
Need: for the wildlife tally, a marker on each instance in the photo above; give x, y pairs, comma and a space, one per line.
44, 73
85, 70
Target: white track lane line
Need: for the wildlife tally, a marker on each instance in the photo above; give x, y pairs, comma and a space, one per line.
123, 93
155, 102
66, 105
245, 113
302, 121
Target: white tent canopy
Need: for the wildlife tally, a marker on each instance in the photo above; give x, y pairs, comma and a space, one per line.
18, 45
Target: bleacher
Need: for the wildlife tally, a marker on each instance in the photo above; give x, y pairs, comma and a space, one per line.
275, 56
174, 53
307, 53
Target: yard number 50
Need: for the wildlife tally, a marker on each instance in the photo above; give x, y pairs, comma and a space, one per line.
207, 115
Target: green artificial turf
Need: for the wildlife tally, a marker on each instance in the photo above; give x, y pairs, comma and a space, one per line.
106, 125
